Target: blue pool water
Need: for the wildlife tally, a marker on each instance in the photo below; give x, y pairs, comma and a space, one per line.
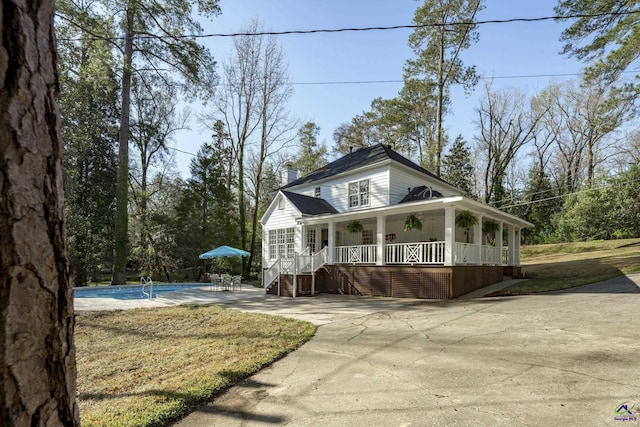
131, 291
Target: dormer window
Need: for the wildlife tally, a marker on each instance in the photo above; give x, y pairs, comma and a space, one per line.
316, 192
359, 193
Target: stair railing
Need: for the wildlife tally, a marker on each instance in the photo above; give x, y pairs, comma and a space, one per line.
147, 282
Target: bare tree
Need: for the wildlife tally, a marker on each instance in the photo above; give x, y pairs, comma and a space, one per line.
506, 124
155, 120
586, 119
252, 108
37, 354
276, 127
630, 152
236, 105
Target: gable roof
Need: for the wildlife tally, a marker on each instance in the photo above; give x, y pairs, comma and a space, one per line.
362, 157
308, 205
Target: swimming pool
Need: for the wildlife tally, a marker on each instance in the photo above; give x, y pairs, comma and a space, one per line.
126, 292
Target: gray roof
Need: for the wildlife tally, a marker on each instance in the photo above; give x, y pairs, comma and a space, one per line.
309, 205
362, 157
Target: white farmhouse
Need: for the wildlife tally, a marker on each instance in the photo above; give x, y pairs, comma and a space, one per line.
375, 223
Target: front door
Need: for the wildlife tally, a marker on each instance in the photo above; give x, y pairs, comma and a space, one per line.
325, 238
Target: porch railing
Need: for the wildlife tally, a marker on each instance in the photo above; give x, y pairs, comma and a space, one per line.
287, 265
466, 253
271, 274
414, 253
408, 253
359, 254
471, 253
303, 261
320, 258
491, 255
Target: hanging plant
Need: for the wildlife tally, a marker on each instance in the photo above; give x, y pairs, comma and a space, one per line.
466, 220
412, 223
490, 228
355, 226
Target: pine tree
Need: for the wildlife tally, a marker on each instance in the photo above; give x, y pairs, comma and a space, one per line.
89, 110
457, 168
311, 155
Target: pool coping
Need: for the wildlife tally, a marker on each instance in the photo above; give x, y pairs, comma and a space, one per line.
199, 295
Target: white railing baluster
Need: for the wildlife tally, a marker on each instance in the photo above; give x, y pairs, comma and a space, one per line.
414, 253
357, 254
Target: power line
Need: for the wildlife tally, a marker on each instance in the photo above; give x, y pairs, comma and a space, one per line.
584, 190
362, 29
181, 151
523, 76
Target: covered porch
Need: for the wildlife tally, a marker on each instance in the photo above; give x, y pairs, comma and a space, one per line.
373, 251
385, 239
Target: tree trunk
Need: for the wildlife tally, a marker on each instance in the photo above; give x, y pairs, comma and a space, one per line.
121, 231
439, 101
258, 178
591, 163
242, 217
37, 354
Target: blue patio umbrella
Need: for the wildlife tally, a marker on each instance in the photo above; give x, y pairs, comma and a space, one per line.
224, 251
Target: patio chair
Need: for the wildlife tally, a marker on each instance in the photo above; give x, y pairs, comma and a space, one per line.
227, 282
236, 283
216, 281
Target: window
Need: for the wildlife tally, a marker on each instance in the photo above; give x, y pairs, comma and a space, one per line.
359, 193
281, 203
281, 243
316, 192
367, 237
290, 242
273, 244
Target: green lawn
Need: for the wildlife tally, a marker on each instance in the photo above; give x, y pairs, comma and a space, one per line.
566, 265
147, 367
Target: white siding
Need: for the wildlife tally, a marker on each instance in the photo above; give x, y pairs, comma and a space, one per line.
336, 191
281, 218
402, 179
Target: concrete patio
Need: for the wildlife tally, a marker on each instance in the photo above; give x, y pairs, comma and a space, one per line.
567, 358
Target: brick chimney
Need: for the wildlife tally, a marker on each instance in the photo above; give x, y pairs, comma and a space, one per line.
288, 175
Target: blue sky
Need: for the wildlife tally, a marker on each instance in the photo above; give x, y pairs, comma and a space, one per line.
514, 49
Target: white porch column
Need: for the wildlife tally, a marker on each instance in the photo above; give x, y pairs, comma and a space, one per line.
512, 245
449, 233
380, 233
498, 241
297, 238
332, 241
516, 249
318, 238
303, 238
477, 238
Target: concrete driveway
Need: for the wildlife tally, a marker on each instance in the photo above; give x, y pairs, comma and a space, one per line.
568, 358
